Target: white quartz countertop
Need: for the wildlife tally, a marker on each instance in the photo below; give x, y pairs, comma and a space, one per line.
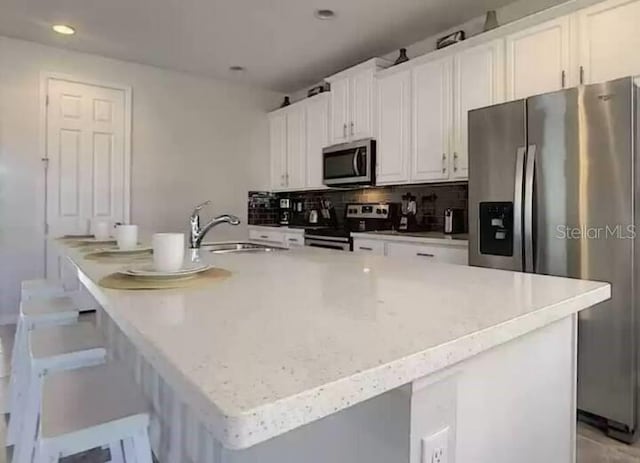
293, 336
460, 240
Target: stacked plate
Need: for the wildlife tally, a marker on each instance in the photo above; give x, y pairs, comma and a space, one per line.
148, 272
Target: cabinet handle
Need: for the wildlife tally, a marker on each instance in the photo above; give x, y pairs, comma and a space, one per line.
455, 162
563, 79
365, 248
264, 237
352, 128
286, 179
581, 74
344, 130
424, 254
293, 240
282, 180
444, 162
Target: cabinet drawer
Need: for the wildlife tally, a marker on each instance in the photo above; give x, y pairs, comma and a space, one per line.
294, 239
369, 246
435, 253
271, 236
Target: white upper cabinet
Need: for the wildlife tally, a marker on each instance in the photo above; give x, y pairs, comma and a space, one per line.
394, 127
478, 82
609, 37
278, 148
432, 119
340, 118
353, 108
296, 174
539, 59
298, 134
362, 85
317, 137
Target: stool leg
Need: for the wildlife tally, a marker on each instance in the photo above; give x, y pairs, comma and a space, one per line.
137, 448
23, 451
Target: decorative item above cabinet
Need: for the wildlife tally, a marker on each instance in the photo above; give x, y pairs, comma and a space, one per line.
353, 108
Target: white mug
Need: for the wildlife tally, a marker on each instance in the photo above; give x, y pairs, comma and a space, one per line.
101, 230
168, 251
127, 237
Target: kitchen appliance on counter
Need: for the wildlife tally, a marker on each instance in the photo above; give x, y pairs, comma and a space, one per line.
284, 214
453, 221
350, 164
552, 187
409, 208
359, 217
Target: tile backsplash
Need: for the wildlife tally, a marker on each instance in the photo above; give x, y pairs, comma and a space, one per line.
432, 200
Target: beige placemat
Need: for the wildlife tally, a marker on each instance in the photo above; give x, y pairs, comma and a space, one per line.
201, 280
109, 257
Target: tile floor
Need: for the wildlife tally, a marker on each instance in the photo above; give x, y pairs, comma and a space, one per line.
593, 446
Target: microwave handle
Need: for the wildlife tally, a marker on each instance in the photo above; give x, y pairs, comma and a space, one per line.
356, 158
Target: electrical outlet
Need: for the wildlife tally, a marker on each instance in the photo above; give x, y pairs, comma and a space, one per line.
435, 448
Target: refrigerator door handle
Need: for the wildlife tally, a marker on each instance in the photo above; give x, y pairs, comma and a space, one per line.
517, 201
528, 209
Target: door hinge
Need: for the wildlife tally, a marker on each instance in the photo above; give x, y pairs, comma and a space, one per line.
45, 161
46, 100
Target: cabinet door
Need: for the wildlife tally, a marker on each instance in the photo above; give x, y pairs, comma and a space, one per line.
317, 138
538, 59
478, 82
432, 120
295, 176
361, 123
340, 110
393, 128
610, 40
429, 252
278, 149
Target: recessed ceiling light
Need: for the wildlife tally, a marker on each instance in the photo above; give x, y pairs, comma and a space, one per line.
237, 69
63, 29
324, 14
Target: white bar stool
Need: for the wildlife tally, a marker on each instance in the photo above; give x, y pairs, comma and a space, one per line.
34, 313
93, 407
52, 349
40, 288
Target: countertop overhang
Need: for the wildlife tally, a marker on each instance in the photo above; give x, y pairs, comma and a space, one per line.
297, 335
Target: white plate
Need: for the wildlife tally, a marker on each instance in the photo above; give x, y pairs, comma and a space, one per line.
147, 271
139, 248
97, 241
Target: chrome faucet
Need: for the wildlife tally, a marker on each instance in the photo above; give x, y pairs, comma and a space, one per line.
197, 232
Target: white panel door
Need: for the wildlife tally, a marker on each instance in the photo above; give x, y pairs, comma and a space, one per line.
394, 128
432, 120
87, 175
296, 174
610, 40
340, 119
539, 59
278, 149
361, 124
478, 83
317, 121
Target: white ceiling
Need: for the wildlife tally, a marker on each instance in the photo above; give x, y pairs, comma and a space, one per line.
280, 42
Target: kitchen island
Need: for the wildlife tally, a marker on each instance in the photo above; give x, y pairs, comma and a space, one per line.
313, 355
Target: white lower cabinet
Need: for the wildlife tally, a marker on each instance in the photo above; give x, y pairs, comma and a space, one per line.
281, 237
275, 237
443, 253
294, 239
368, 246
430, 252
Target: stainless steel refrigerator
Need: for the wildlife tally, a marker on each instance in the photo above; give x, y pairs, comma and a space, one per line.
553, 181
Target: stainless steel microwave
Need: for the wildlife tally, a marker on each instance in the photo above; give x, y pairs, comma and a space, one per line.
352, 163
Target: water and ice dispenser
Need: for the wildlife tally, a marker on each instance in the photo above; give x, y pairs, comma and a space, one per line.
496, 228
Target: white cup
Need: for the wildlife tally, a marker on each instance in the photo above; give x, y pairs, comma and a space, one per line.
168, 251
127, 237
101, 230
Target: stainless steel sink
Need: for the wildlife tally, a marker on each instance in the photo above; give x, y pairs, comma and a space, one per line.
239, 246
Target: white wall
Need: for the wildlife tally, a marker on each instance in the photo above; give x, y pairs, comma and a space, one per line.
192, 139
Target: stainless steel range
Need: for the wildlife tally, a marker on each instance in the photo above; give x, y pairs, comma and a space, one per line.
359, 217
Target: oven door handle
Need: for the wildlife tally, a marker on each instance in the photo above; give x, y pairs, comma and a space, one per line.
356, 163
